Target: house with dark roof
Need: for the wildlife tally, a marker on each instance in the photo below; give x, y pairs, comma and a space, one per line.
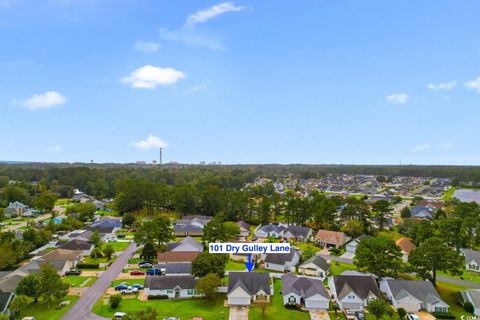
352, 245
5, 299
9, 282
191, 225
175, 268
297, 233
15, 208
316, 266
178, 256
274, 230
298, 290
413, 295
106, 227
352, 293
174, 287
472, 259
330, 238
282, 261
82, 245
472, 296
244, 228
422, 212
245, 288
186, 244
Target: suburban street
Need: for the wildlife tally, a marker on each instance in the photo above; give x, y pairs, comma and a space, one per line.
82, 309
459, 282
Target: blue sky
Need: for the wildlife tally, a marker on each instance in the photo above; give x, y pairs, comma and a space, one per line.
364, 82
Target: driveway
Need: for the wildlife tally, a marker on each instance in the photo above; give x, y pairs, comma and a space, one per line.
425, 315
348, 255
82, 309
238, 313
319, 314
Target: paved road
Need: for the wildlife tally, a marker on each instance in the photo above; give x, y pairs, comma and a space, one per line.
459, 282
82, 309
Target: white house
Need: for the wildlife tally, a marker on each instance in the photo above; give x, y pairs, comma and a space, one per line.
352, 245
245, 288
352, 293
472, 296
244, 228
413, 295
297, 290
186, 244
282, 261
472, 259
270, 230
298, 233
315, 266
175, 287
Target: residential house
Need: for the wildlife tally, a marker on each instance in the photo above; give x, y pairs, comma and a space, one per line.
9, 282
191, 225
175, 287
245, 288
244, 228
175, 268
106, 227
472, 296
15, 209
298, 290
316, 266
62, 260
406, 246
186, 244
5, 299
329, 238
422, 212
297, 233
79, 195
282, 261
472, 259
84, 246
352, 293
274, 230
177, 256
413, 295
352, 245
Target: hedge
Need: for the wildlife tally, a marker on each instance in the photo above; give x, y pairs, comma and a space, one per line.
157, 297
444, 315
87, 265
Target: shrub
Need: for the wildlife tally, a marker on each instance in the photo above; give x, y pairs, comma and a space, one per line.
87, 265
157, 297
115, 300
443, 315
401, 313
468, 306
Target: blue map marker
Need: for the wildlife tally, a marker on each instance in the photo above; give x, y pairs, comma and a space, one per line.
249, 264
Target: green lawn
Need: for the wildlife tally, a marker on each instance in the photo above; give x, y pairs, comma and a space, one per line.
449, 194
449, 292
467, 276
184, 309
90, 260
41, 312
234, 265
128, 282
306, 246
276, 310
118, 246
77, 281
394, 235
337, 268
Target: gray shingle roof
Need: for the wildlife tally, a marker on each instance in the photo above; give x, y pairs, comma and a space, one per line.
471, 255
319, 262
280, 258
251, 282
175, 267
361, 285
169, 282
272, 228
302, 286
473, 296
5, 300
422, 290
298, 231
77, 244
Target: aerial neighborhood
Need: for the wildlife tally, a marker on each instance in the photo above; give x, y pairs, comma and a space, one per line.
361, 247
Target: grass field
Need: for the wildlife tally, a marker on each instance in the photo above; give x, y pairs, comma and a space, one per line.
118, 246
394, 235
183, 309
41, 312
467, 276
449, 194
337, 268
276, 310
77, 281
234, 265
449, 292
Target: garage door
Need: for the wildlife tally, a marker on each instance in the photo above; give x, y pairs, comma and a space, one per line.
238, 301
409, 307
312, 304
352, 306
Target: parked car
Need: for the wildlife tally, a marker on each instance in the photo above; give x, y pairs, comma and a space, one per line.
360, 315
137, 273
254, 238
129, 290
154, 272
146, 261
121, 287
138, 286
119, 315
120, 236
145, 265
73, 272
412, 316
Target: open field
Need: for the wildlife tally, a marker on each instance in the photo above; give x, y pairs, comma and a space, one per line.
41, 312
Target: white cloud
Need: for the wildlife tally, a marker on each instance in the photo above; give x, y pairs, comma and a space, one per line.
422, 147
149, 77
445, 145
397, 98
146, 46
192, 38
152, 142
204, 15
442, 85
474, 84
203, 86
54, 148
44, 100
